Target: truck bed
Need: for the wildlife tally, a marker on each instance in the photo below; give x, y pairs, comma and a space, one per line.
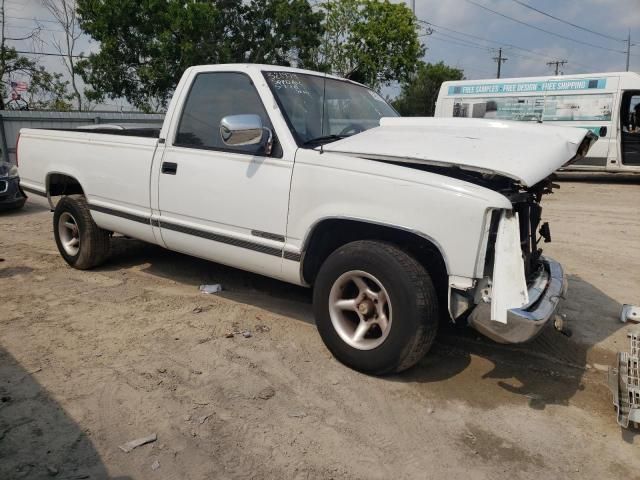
113, 165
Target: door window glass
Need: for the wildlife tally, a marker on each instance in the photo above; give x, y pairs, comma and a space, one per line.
630, 119
578, 107
212, 97
527, 108
631, 115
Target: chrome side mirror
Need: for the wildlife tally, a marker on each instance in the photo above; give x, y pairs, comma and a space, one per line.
240, 130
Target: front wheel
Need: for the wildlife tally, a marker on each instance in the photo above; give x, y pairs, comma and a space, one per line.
80, 241
375, 306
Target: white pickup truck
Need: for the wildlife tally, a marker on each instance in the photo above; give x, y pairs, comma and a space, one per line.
316, 181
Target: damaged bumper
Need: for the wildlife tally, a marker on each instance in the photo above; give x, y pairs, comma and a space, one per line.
525, 323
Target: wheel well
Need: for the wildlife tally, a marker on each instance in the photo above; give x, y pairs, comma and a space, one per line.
61, 184
331, 234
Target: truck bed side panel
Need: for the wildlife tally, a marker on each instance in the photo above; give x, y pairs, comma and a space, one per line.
114, 172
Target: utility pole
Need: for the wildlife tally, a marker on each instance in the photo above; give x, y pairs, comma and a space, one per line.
500, 59
413, 6
628, 49
558, 64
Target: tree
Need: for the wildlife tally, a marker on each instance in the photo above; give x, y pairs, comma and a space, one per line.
145, 46
370, 41
64, 11
281, 32
419, 94
48, 91
10, 61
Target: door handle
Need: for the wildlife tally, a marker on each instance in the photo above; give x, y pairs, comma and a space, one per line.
603, 131
169, 168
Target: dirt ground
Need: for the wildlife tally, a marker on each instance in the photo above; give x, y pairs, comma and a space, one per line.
91, 360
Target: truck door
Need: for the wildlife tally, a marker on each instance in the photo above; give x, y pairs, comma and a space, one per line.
630, 128
226, 204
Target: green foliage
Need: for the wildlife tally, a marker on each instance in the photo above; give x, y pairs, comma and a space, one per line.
281, 32
370, 41
47, 91
419, 94
145, 46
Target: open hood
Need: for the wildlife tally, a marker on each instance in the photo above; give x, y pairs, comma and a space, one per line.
525, 152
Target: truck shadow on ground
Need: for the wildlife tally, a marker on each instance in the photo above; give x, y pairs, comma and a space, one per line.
552, 369
549, 370
38, 439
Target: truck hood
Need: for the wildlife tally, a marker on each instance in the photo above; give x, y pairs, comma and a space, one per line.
525, 152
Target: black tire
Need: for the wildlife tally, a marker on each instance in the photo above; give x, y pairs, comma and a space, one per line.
94, 242
415, 316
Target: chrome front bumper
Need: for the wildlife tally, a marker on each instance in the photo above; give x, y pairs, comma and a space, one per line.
525, 323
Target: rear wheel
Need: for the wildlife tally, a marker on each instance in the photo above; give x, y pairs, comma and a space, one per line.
80, 241
375, 306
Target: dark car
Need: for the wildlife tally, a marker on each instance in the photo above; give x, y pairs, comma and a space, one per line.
11, 195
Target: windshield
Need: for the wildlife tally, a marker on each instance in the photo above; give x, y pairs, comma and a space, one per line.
320, 109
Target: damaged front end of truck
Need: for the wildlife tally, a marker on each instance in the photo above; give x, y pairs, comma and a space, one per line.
517, 290
521, 288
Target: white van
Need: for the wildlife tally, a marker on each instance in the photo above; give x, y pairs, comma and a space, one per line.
606, 103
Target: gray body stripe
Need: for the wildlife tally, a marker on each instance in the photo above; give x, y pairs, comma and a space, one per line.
33, 190
296, 257
236, 242
267, 235
118, 213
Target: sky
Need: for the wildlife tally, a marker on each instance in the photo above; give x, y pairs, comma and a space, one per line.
463, 35
454, 18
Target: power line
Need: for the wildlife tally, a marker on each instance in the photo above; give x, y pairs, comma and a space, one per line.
33, 19
461, 42
503, 44
465, 69
567, 22
542, 29
48, 54
450, 39
488, 40
18, 27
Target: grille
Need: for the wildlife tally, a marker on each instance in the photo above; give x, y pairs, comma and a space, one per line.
4, 186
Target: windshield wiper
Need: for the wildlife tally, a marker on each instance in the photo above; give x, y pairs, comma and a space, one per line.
323, 139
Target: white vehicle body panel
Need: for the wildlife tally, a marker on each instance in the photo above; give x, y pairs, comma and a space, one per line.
329, 185
114, 171
258, 213
489, 146
509, 283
